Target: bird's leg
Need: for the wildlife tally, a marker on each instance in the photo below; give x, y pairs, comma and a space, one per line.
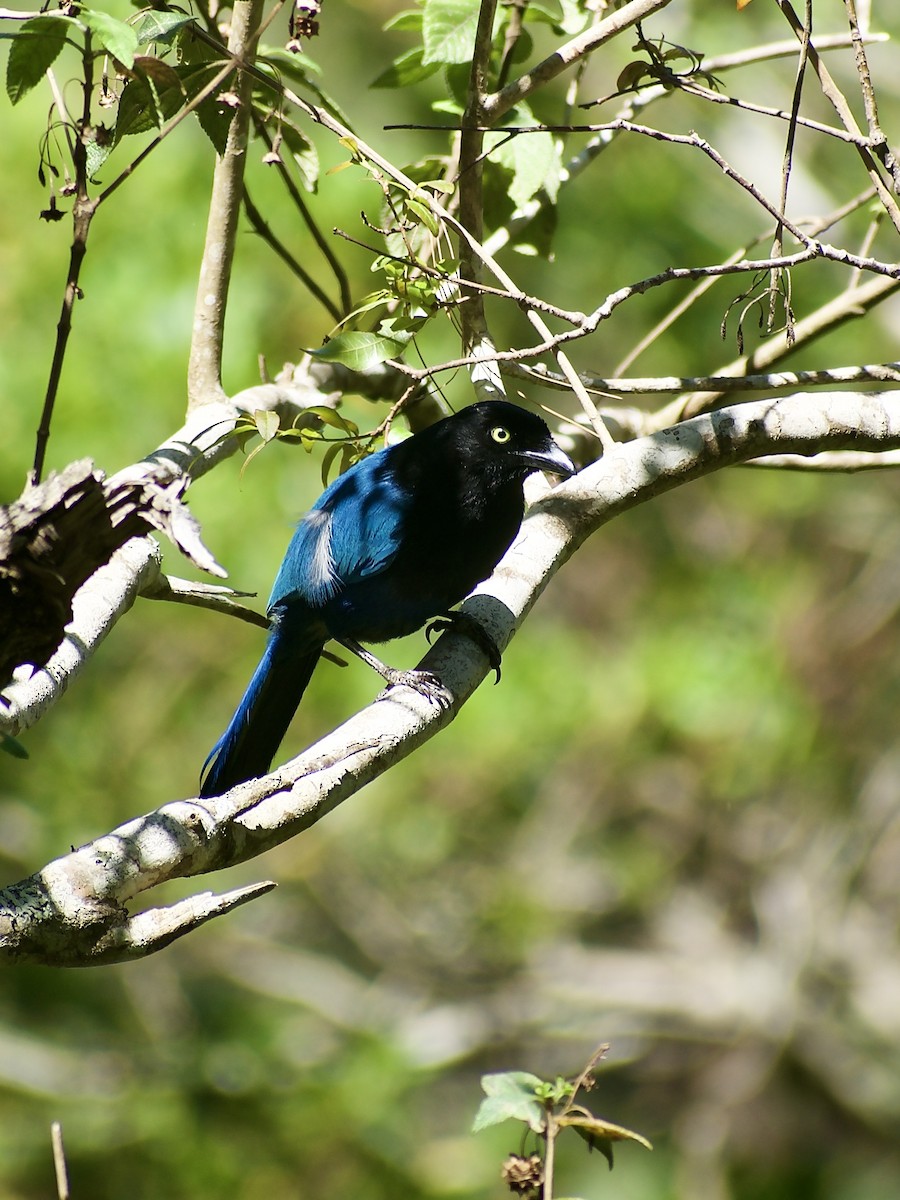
460, 622
424, 682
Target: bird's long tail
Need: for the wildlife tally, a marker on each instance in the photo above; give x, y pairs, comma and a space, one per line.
246, 748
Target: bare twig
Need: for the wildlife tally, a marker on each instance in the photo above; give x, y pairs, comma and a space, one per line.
877, 139
261, 227
340, 275
60, 1167
568, 54
833, 93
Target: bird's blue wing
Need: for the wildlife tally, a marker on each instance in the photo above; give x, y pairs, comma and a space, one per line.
353, 531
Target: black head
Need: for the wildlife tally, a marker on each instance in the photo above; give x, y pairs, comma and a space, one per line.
511, 441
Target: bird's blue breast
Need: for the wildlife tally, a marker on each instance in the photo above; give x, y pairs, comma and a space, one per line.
353, 532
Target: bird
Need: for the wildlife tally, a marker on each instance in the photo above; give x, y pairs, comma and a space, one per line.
398, 539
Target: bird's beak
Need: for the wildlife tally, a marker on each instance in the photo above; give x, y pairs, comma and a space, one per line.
554, 460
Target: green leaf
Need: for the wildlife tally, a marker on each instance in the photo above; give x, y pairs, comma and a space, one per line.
329, 416
360, 351
425, 215
448, 30
327, 459
406, 70
33, 51
215, 121
266, 422
566, 16
410, 18
119, 39
533, 159
96, 154
439, 185
153, 95
600, 1134
303, 153
160, 26
11, 746
510, 1096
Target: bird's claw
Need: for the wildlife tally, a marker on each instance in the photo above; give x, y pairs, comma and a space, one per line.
460, 622
426, 683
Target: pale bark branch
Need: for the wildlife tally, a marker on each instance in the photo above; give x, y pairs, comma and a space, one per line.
74, 910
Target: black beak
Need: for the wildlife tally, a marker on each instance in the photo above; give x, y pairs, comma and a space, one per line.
550, 459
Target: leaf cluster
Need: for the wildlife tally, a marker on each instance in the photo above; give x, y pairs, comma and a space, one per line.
546, 1108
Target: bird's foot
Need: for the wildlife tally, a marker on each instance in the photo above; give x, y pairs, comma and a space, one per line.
460, 622
426, 683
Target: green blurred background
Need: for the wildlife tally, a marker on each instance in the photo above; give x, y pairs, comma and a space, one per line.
674, 826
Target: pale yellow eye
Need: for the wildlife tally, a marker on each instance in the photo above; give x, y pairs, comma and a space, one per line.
500, 435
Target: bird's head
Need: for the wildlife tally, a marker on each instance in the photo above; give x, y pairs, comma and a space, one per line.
515, 441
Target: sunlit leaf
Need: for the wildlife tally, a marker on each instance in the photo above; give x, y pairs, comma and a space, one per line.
32, 52
160, 26
360, 351
510, 1096
448, 30
117, 38
266, 422
410, 18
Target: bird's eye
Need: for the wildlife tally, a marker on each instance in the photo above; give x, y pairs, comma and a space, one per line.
500, 434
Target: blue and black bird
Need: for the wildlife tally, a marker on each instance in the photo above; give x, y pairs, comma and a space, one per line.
400, 538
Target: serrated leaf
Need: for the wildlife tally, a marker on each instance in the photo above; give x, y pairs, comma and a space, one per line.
510, 1096
215, 121
360, 351
405, 70
153, 95
33, 51
96, 154
160, 26
448, 30
117, 38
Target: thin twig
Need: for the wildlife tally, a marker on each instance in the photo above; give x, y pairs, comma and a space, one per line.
833, 93
565, 56
261, 227
60, 1167
877, 138
300, 204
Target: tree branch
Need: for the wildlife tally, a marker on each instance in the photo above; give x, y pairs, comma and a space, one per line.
74, 910
205, 363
